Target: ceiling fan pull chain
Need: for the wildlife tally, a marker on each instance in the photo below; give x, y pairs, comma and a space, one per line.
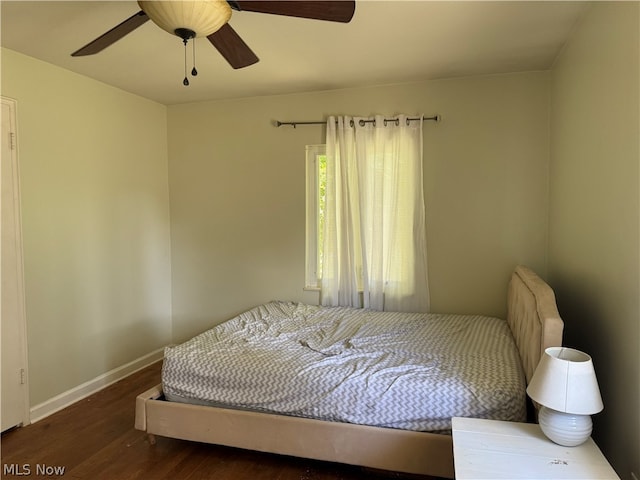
185, 82
194, 72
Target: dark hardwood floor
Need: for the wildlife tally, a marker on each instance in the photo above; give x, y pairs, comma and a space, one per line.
95, 439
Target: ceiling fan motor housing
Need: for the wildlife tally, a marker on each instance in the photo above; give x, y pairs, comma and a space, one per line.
185, 33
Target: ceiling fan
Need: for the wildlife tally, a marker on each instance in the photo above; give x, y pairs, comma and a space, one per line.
190, 19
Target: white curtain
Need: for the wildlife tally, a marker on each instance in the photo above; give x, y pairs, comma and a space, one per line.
375, 235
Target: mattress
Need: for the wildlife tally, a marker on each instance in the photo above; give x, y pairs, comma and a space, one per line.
411, 371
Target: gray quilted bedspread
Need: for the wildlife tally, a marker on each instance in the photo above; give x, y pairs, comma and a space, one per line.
412, 371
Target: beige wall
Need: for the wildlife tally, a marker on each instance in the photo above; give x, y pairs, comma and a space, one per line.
237, 192
95, 199
594, 240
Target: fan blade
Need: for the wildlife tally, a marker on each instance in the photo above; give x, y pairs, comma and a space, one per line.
331, 10
232, 47
113, 35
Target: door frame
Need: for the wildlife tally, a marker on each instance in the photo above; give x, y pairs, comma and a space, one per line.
22, 327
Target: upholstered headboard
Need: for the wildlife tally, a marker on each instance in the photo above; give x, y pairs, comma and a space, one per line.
533, 317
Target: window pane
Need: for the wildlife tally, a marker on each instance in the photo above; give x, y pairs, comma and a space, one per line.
321, 161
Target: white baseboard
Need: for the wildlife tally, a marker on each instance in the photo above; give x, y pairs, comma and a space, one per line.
57, 403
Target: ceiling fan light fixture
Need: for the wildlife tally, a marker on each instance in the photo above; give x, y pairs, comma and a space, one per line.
203, 17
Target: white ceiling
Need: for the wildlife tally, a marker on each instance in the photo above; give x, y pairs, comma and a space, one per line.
387, 42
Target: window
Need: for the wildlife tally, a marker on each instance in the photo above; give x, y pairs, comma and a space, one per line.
366, 242
316, 169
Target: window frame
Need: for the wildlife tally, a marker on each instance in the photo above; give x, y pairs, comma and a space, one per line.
312, 249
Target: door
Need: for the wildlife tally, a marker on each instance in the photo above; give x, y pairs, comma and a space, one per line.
14, 396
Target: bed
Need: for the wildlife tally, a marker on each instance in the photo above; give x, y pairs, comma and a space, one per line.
387, 438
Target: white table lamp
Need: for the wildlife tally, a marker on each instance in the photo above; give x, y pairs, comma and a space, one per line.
565, 384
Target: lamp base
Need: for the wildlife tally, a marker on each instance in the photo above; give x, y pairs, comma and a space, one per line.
565, 429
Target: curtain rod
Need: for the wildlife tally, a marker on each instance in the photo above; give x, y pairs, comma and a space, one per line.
435, 118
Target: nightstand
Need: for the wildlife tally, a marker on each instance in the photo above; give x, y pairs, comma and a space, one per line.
491, 449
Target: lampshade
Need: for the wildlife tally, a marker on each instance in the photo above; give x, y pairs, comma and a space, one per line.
202, 17
565, 381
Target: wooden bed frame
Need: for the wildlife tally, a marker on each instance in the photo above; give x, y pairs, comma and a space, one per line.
533, 318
